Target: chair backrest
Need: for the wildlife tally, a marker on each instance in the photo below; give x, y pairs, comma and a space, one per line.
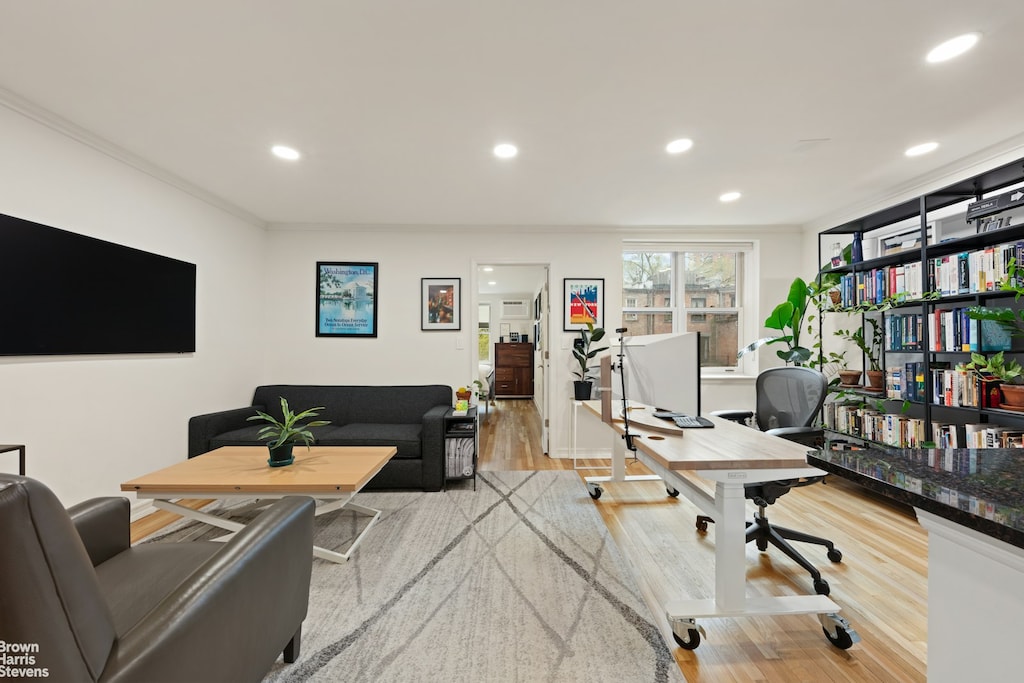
789, 397
50, 597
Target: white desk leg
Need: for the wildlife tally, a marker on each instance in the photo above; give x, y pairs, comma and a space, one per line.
730, 543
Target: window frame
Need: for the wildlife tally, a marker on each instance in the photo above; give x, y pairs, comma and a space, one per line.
746, 277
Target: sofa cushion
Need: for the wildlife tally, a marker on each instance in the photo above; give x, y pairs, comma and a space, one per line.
246, 436
405, 437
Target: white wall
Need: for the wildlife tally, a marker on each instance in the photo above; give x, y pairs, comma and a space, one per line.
91, 422
403, 354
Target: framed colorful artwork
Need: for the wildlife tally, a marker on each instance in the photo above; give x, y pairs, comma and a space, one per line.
440, 303
584, 302
346, 299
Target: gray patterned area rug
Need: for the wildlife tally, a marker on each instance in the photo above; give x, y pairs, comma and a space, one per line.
519, 580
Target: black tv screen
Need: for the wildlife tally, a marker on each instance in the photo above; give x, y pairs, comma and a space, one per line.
65, 293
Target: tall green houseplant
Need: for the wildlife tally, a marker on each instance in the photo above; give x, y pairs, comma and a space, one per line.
583, 352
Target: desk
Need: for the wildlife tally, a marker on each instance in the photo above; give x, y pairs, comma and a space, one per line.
731, 455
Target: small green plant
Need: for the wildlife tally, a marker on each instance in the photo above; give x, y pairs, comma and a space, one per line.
288, 430
870, 345
994, 368
583, 353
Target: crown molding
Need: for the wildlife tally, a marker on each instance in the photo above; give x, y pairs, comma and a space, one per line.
44, 117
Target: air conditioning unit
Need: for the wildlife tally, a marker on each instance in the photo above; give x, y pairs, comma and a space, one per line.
515, 308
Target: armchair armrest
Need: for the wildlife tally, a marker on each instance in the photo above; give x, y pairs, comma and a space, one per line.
104, 525
432, 447
260, 580
741, 416
202, 428
809, 436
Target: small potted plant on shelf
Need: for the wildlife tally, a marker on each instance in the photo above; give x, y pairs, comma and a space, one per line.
871, 346
583, 353
283, 434
1007, 374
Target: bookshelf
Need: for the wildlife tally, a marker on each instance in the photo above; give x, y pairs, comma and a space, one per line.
926, 262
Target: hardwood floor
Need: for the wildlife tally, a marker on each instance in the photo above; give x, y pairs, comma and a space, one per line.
881, 584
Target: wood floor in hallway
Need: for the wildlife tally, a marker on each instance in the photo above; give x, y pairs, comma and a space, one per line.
881, 584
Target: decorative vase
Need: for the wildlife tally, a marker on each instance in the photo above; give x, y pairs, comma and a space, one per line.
857, 249
281, 456
876, 379
1013, 395
849, 378
581, 390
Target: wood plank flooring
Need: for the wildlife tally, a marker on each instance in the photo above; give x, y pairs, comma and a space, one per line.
881, 583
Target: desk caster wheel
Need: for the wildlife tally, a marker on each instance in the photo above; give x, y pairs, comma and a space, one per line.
838, 631
834, 555
595, 491
821, 587
686, 633
672, 493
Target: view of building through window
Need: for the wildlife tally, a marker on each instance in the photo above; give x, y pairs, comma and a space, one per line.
692, 290
484, 331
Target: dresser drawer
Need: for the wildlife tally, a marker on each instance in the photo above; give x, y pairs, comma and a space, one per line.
504, 374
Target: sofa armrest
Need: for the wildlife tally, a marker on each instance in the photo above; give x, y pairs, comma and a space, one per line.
202, 428
432, 447
235, 614
104, 525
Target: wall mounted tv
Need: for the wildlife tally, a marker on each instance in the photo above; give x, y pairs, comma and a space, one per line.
65, 293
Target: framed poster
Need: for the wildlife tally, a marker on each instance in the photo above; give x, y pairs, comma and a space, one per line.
440, 303
346, 299
584, 302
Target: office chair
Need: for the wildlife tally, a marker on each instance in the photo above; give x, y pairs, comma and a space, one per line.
788, 400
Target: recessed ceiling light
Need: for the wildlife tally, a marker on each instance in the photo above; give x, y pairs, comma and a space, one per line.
285, 152
492, 283
505, 151
679, 146
729, 196
488, 269
923, 148
954, 47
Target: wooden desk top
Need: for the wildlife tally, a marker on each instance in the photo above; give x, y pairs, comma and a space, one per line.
729, 446
243, 469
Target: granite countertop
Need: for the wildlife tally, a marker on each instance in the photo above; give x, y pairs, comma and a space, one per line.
980, 488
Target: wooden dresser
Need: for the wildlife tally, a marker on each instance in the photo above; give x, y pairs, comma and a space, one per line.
513, 370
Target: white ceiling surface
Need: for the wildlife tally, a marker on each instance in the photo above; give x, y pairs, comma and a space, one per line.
396, 105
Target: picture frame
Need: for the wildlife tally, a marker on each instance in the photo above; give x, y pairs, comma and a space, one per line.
440, 304
583, 302
346, 299
992, 224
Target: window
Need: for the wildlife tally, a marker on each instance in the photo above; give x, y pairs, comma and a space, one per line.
484, 331
690, 287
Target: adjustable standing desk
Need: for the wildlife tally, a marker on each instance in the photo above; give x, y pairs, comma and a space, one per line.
731, 455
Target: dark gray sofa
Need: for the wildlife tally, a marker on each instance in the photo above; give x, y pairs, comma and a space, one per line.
410, 418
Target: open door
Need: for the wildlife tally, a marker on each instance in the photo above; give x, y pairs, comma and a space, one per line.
542, 362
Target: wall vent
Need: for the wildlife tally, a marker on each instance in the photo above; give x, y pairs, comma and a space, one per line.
515, 308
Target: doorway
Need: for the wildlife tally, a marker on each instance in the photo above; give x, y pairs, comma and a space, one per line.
512, 309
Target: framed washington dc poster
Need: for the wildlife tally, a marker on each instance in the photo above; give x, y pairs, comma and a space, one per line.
346, 299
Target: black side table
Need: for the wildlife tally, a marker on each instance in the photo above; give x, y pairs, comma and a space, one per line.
5, 448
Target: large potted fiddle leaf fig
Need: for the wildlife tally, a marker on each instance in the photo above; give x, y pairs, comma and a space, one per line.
583, 352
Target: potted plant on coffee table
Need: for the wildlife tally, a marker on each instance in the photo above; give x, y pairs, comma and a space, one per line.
283, 434
583, 353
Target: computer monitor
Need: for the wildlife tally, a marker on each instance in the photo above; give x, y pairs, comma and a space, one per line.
661, 370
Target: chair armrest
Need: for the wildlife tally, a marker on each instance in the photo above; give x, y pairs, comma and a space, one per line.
432, 447
809, 436
104, 525
235, 614
741, 416
202, 428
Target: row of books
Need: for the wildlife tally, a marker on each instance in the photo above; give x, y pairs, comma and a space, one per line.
952, 330
903, 431
947, 386
967, 272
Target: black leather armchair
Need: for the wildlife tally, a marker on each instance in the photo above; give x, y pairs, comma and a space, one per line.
93, 608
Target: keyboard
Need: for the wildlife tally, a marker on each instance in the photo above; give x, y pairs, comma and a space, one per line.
690, 422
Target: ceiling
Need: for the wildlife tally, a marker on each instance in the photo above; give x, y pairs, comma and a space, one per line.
805, 107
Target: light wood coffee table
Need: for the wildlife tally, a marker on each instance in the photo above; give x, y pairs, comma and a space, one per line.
327, 473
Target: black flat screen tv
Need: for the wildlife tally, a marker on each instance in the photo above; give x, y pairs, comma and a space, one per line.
62, 293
